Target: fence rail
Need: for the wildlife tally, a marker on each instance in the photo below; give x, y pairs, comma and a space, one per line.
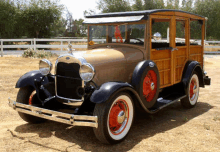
34, 45
61, 46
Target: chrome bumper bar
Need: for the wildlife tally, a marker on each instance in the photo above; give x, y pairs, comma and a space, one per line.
70, 119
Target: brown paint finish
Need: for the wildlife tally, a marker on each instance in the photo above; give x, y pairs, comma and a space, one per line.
115, 64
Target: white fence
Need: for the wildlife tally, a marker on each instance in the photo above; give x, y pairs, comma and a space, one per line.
35, 46
61, 46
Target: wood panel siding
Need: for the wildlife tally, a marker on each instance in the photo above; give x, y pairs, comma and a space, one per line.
162, 58
171, 63
196, 52
180, 60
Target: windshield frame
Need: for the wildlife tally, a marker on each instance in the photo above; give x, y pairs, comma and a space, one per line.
120, 44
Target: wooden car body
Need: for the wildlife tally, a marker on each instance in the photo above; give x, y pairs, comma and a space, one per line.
170, 58
127, 66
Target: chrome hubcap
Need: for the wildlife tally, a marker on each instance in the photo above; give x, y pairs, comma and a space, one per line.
194, 89
152, 86
121, 117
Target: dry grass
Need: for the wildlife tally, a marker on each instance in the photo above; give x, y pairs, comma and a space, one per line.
212, 49
172, 129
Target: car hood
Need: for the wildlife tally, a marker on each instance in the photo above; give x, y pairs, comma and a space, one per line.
111, 57
112, 64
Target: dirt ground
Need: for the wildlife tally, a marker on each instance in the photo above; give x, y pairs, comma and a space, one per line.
172, 129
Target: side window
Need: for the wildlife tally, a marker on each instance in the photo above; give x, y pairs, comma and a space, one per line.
160, 33
180, 33
195, 32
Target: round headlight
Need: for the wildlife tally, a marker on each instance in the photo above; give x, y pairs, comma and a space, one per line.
45, 66
87, 72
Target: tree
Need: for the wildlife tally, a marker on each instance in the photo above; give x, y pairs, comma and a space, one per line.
7, 19
153, 4
59, 27
114, 6
40, 17
138, 5
89, 12
210, 9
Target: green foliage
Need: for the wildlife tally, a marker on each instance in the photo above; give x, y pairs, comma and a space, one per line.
210, 9
30, 53
114, 6
38, 18
138, 5
207, 8
153, 4
75, 28
7, 19
79, 29
160, 27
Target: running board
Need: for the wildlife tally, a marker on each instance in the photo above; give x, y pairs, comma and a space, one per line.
164, 102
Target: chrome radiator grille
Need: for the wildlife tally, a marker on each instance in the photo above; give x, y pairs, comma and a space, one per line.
68, 80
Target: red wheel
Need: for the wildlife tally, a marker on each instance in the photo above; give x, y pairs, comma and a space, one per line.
146, 81
118, 117
192, 92
193, 89
31, 97
150, 85
115, 118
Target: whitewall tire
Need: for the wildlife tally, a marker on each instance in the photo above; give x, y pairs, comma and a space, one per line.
115, 118
192, 92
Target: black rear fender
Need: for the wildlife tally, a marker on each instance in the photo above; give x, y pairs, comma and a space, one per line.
189, 68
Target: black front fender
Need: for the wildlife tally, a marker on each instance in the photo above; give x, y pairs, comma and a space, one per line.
106, 90
29, 79
110, 88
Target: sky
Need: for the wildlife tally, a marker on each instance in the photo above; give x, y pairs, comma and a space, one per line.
77, 7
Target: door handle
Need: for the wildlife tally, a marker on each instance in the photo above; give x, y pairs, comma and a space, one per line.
173, 49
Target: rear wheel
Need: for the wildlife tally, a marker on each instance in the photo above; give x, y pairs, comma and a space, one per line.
192, 92
115, 118
27, 95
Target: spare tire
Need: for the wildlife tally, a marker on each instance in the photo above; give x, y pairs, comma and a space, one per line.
146, 81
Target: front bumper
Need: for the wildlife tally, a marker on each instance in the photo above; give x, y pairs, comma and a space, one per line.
70, 119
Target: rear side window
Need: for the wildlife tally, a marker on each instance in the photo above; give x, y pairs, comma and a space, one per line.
195, 32
160, 33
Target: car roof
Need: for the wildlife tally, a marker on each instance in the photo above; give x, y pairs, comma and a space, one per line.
138, 13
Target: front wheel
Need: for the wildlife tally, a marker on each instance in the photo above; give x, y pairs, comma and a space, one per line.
115, 118
192, 92
27, 95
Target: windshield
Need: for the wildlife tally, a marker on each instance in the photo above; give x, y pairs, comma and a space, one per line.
127, 34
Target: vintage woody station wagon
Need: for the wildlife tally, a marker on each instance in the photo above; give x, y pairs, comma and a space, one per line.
143, 59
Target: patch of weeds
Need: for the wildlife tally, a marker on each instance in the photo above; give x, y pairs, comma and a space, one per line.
207, 127
185, 119
216, 118
30, 53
